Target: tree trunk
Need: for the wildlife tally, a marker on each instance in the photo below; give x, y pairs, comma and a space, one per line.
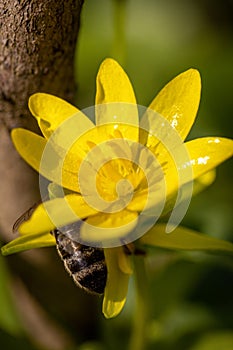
37, 47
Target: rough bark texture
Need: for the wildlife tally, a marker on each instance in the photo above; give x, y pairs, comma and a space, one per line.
37, 45
37, 50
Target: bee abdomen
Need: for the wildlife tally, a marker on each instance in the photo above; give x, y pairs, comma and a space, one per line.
85, 264
88, 269
92, 278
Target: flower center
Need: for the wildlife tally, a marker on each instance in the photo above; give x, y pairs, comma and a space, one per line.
118, 174
117, 181
124, 190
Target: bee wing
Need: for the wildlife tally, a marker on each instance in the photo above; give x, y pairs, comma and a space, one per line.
24, 217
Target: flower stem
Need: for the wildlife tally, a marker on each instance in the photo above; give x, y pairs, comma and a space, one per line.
139, 337
119, 30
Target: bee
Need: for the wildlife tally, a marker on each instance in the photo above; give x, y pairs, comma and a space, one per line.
85, 264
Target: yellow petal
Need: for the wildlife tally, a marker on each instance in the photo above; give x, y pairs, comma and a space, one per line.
207, 153
125, 261
184, 239
56, 213
51, 111
113, 86
204, 155
138, 201
27, 242
31, 147
178, 101
108, 229
169, 150
117, 285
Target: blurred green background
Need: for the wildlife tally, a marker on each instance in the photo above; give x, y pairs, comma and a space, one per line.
190, 293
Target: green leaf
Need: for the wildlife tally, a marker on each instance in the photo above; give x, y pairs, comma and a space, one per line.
27, 242
184, 239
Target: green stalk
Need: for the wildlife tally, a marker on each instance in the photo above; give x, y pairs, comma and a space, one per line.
139, 329
119, 41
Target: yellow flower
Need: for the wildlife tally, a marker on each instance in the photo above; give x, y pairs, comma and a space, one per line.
119, 175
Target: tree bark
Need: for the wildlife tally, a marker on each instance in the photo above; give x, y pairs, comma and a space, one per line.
37, 47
